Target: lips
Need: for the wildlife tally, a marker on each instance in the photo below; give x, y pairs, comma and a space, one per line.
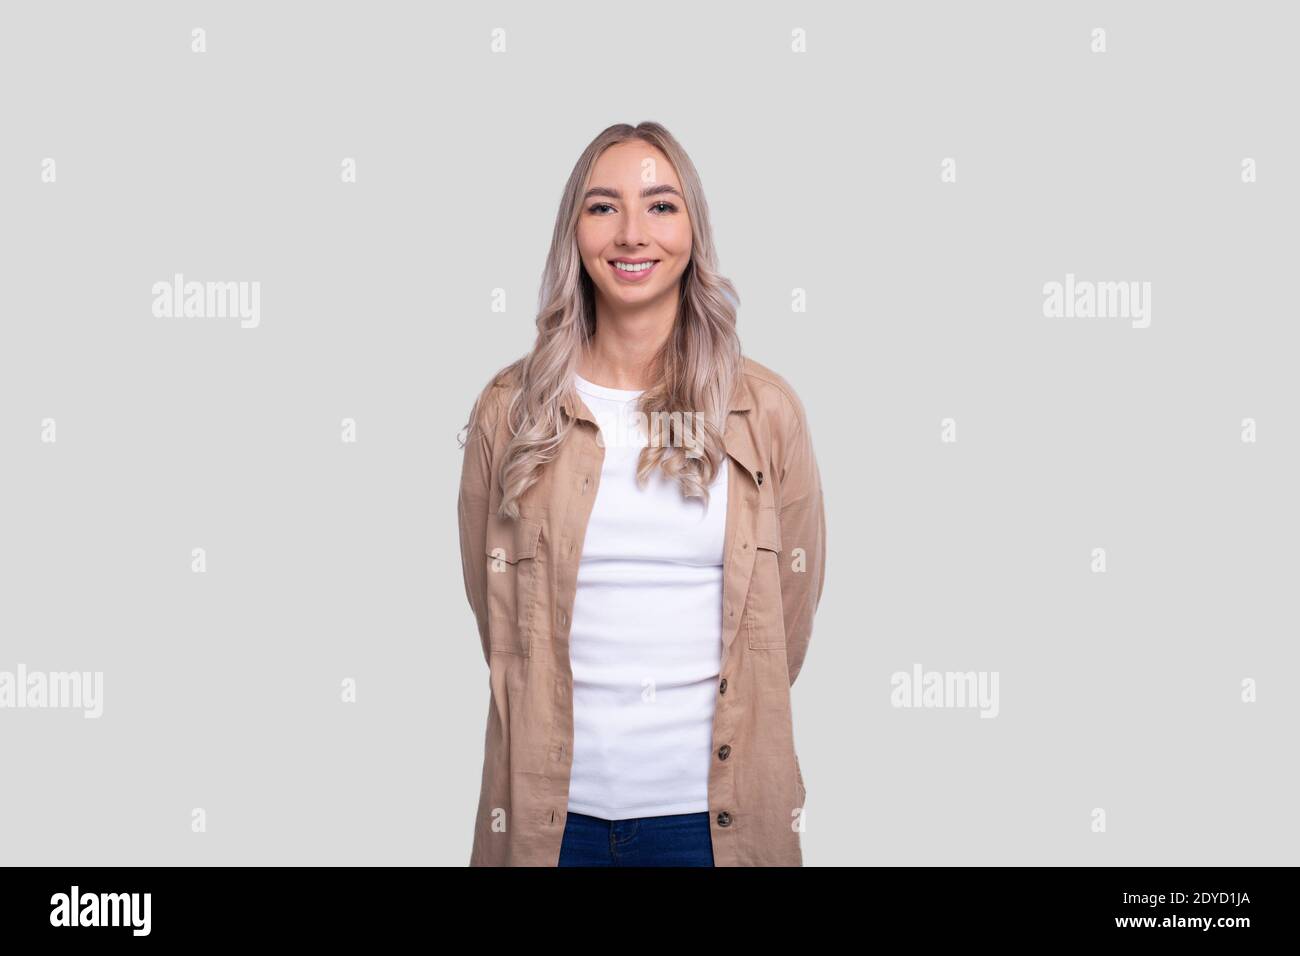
639, 274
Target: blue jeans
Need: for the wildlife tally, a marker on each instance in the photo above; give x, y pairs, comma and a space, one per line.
678, 839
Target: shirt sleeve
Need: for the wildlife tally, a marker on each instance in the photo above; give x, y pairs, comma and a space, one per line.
472, 507
803, 542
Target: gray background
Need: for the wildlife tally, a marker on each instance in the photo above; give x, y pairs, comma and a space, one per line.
328, 561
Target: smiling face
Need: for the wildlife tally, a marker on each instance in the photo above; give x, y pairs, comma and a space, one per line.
634, 234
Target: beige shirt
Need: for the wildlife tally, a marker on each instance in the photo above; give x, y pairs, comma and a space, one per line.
521, 578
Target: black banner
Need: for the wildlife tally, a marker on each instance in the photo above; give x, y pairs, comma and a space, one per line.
1229, 906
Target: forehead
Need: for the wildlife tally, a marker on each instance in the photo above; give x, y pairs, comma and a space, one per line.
634, 160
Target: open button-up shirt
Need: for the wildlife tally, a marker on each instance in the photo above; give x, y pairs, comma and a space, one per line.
521, 580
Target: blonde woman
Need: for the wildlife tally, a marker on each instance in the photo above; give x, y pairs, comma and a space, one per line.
643, 544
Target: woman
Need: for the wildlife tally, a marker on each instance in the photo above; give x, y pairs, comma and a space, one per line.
643, 543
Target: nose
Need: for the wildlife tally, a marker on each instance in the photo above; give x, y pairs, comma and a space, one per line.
630, 232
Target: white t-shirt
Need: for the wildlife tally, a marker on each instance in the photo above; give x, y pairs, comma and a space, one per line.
645, 640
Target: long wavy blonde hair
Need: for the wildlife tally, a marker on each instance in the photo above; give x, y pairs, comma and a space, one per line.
694, 372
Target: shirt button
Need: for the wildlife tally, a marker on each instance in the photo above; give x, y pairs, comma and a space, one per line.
760, 477
564, 618
724, 819
724, 751
722, 688
586, 481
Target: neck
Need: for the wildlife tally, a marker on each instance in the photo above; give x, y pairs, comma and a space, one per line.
621, 353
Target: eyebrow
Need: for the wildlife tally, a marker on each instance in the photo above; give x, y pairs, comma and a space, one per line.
661, 189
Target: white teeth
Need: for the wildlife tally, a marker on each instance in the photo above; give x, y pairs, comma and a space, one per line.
627, 267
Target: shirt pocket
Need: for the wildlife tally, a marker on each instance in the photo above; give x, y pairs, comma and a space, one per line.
512, 583
764, 620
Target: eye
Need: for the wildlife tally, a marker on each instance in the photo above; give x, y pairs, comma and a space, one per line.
670, 206
597, 205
